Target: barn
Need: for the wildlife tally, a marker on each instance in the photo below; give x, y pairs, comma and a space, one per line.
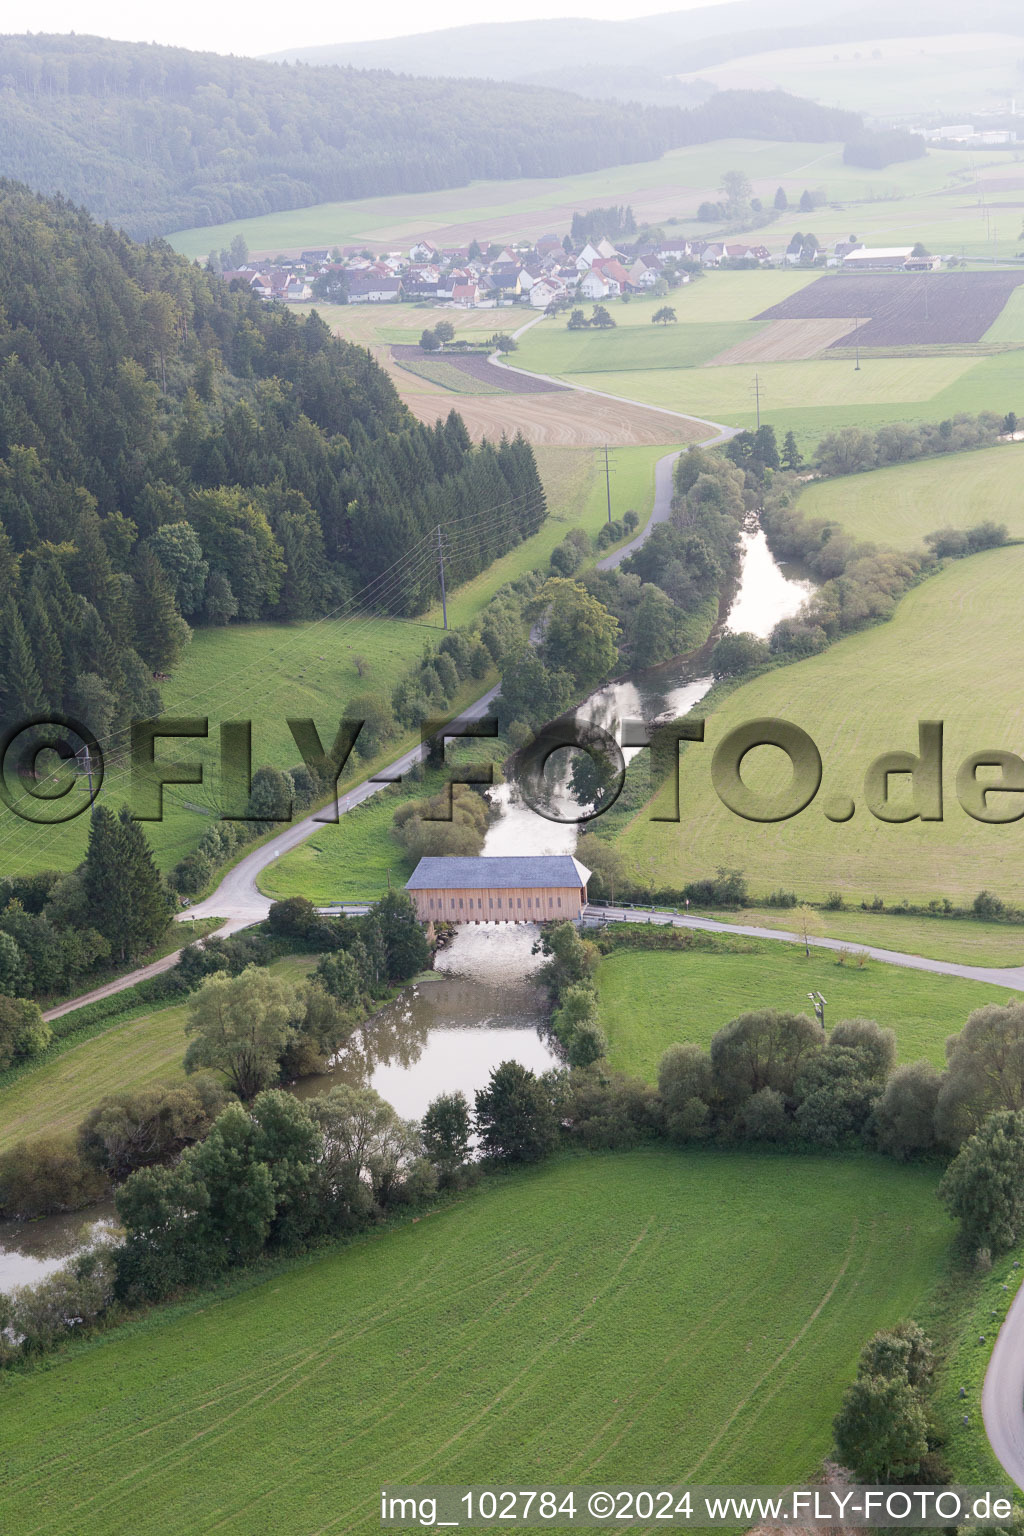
534, 889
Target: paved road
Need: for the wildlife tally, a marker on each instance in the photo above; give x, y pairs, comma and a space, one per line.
1002, 1396
720, 432
1011, 977
238, 898
663, 492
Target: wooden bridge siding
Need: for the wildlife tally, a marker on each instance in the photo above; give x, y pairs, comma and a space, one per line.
539, 903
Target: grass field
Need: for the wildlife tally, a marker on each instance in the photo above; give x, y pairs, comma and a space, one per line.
552, 348
899, 505
901, 204
949, 938
727, 393
261, 672
1009, 328
268, 672
695, 1320
145, 1047
946, 655
651, 999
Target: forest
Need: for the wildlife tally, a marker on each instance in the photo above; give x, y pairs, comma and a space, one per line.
156, 139
174, 452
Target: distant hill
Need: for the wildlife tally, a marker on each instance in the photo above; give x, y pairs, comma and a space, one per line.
646, 52
156, 139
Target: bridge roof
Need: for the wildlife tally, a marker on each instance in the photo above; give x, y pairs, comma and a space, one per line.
491, 873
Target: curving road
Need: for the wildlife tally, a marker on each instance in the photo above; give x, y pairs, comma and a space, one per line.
1002, 1396
720, 433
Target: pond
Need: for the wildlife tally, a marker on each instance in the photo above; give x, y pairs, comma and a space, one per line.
449, 1033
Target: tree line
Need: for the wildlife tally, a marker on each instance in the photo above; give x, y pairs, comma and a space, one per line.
214, 1175
650, 608
156, 138
173, 453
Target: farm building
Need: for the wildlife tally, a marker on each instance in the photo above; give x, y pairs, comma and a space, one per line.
535, 889
877, 258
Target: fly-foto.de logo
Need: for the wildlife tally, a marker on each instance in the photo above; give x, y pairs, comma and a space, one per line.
52, 769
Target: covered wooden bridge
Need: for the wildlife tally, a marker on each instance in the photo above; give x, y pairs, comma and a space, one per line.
534, 889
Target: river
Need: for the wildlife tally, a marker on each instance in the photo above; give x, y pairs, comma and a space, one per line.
484, 1006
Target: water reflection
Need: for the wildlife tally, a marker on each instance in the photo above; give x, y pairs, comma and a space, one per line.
766, 593
485, 1007
31, 1250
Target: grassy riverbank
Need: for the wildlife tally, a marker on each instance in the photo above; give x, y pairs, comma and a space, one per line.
651, 999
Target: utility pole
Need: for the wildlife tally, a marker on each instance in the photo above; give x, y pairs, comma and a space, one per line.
85, 765
819, 1003
856, 339
757, 399
440, 561
608, 482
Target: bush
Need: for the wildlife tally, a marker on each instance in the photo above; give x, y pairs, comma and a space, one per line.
738, 653
131, 1130
75, 1296
23, 1031
38, 1178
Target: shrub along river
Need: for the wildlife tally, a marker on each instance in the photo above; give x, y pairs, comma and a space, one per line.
484, 1006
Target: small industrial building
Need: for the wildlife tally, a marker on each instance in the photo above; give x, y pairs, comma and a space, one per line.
533, 889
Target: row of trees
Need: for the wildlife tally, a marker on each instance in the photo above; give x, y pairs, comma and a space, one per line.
851, 450
778, 1077
55, 927
247, 1030
173, 454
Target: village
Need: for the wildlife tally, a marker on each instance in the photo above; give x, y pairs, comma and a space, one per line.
549, 275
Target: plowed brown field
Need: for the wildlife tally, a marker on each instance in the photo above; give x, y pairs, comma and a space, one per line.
560, 418
785, 341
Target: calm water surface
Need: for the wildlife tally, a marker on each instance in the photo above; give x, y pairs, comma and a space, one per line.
484, 1007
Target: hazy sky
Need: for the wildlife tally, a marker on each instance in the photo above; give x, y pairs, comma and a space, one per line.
267, 25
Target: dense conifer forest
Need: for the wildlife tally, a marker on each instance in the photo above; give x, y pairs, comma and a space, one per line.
174, 453
156, 139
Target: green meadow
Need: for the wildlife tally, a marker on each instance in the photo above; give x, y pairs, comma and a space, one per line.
964, 939
823, 394
899, 505
134, 1051
945, 655
901, 204
651, 999
271, 672
644, 1317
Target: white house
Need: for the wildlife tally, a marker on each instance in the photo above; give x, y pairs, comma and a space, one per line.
586, 258
543, 291
641, 275
369, 288
595, 286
